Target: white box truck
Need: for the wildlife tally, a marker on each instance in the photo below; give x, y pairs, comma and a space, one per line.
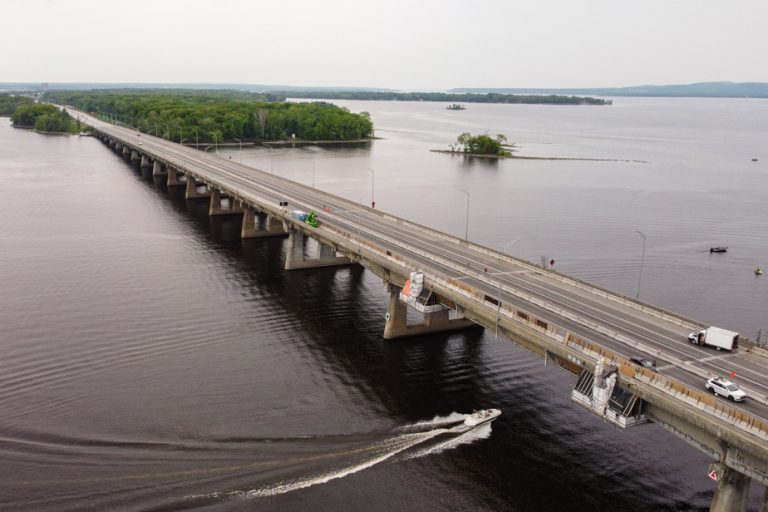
715, 337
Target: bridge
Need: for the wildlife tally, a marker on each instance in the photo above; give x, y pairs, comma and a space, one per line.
456, 284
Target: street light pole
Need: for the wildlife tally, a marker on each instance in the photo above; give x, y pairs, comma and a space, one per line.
373, 202
466, 225
642, 261
498, 305
240, 152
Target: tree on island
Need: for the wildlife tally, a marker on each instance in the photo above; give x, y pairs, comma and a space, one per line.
481, 145
44, 118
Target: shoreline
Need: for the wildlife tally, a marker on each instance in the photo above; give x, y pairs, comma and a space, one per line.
515, 157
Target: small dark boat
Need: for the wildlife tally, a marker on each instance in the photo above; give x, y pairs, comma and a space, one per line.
718, 249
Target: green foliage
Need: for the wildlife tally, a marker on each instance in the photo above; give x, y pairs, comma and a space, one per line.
209, 116
43, 118
481, 144
9, 102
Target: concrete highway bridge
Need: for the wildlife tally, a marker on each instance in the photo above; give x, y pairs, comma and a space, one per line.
458, 284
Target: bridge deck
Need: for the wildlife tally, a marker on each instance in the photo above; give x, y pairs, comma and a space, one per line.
621, 325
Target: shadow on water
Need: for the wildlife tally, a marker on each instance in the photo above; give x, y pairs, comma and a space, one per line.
340, 312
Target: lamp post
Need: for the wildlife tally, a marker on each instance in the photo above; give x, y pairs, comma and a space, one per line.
373, 202
466, 225
498, 305
240, 152
642, 260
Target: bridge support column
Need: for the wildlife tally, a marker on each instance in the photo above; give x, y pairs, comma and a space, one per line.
111, 143
274, 227
126, 151
145, 161
765, 501
732, 492
215, 207
397, 323
173, 178
192, 192
134, 155
118, 146
157, 169
295, 258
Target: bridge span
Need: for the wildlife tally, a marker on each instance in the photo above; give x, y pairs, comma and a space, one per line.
584, 329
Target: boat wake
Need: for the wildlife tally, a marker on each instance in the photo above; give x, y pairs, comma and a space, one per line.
404, 443
163, 476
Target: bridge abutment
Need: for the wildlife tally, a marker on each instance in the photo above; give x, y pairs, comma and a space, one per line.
437, 321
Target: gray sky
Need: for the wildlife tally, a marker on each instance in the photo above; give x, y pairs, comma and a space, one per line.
414, 44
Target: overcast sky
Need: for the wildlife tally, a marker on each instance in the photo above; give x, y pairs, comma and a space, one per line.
412, 45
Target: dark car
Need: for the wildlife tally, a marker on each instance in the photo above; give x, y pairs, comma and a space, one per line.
645, 363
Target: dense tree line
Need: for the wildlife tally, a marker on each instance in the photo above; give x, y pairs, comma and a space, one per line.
44, 118
551, 99
9, 102
208, 116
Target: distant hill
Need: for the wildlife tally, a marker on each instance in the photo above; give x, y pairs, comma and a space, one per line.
702, 90
85, 86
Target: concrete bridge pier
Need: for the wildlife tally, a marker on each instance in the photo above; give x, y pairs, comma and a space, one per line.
295, 258
118, 147
145, 161
216, 207
134, 155
157, 169
111, 143
126, 151
273, 226
732, 493
192, 192
397, 319
173, 178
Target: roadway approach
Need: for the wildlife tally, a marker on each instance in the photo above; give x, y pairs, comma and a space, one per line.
580, 327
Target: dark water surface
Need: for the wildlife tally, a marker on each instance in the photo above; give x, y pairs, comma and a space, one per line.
151, 360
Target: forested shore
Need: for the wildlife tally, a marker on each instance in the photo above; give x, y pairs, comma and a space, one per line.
217, 116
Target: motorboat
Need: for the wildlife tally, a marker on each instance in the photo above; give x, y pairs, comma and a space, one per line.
758, 271
718, 249
480, 417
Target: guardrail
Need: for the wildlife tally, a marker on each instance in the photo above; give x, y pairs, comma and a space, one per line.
670, 387
519, 316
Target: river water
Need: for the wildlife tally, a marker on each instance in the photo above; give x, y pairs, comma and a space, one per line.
151, 360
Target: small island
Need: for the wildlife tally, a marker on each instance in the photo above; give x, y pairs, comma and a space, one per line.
480, 145
44, 118
456, 106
